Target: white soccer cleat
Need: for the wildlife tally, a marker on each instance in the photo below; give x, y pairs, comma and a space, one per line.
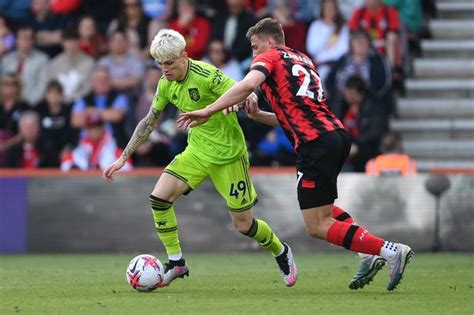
368, 268
174, 269
397, 265
287, 265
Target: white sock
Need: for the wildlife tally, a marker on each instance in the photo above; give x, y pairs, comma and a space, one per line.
388, 250
177, 256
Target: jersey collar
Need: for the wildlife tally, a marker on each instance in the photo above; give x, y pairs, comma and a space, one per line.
187, 72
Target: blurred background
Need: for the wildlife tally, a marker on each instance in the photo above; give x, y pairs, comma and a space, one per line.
76, 77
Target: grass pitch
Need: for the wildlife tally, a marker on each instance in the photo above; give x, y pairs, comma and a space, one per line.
233, 284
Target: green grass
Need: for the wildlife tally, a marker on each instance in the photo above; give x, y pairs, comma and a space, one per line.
233, 284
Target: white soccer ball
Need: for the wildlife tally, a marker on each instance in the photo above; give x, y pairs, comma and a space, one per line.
145, 273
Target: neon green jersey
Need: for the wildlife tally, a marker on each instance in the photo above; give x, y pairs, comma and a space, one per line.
220, 140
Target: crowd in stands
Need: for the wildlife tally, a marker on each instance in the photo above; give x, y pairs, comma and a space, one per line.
76, 75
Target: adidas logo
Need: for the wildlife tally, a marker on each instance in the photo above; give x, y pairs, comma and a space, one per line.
243, 201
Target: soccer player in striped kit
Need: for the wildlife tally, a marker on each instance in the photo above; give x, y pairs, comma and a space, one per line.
290, 81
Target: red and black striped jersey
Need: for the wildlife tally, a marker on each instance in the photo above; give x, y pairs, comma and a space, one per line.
295, 92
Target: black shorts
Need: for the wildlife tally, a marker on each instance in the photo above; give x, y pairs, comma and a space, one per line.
318, 163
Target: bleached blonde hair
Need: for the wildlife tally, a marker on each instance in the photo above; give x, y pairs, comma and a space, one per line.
167, 45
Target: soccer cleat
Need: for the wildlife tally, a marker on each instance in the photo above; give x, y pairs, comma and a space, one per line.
368, 268
174, 269
287, 265
397, 265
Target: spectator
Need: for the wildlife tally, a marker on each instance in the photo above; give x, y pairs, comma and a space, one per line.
259, 7
103, 12
160, 12
295, 31
17, 10
48, 27
64, 7
126, 70
275, 150
195, 29
134, 24
365, 63
55, 119
411, 15
231, 28
7, 38
348, 7
155, 151
29, 64
328, 38
111, 105
219, 57
392, 160
30, 152
364, 119
72, 68
382, 23
90, 40
303, 10
11, 108
96, 151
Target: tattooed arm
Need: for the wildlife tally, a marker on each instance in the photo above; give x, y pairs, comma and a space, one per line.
141, 133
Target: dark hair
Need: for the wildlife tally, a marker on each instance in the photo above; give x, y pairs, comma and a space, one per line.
391, 142
24, 27
70, 33
267, 27
55, 85
339, 17
356, 83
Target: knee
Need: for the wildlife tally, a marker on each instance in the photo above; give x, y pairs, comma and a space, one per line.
243, 225
316, 229
159, 204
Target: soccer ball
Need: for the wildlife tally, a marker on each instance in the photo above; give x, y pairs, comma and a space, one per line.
145, 273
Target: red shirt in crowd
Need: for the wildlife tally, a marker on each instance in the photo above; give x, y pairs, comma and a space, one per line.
377, 23
196, 35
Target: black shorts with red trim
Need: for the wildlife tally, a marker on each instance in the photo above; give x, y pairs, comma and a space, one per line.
318, 163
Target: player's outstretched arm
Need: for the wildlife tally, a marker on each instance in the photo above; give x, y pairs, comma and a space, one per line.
141, 133
236, 94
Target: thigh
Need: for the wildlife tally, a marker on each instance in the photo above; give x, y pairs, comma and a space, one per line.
233, 183
169, 187
318, 164
189, 169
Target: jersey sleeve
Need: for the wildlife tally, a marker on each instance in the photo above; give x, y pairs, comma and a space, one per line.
264, 62
161, 99
220, 83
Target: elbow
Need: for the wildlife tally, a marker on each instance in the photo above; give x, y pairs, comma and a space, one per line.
248, 87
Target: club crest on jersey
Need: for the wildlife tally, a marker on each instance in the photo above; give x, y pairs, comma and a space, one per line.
194, 94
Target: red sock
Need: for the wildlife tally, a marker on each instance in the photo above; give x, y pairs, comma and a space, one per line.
340, 215
354, 238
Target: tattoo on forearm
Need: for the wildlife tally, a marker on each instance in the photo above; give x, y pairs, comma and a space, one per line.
141, 133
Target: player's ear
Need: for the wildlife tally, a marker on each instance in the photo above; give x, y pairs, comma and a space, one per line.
271, 42
184, 55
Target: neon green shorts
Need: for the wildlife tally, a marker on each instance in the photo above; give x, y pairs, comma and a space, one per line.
232, 180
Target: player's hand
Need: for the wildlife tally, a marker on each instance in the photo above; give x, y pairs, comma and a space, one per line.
108, 173
192, 119
251, 105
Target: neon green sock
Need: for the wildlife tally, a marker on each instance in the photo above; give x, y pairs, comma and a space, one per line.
263, 234
165, 224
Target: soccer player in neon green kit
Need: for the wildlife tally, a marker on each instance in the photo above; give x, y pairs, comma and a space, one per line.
212, 151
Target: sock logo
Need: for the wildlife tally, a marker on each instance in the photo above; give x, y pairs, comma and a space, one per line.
161, 223
362, 235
